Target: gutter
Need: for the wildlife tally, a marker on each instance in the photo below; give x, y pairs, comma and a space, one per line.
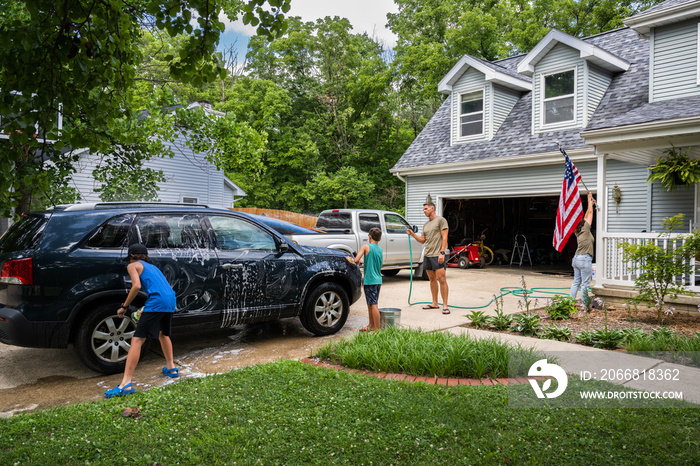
497, 163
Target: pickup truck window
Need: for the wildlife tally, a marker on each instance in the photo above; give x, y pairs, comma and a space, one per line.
395, 224
368, 221
335, 221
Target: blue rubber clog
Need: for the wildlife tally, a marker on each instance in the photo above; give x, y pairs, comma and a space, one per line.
116, 391
172, 373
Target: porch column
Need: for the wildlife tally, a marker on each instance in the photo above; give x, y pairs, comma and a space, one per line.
602, 221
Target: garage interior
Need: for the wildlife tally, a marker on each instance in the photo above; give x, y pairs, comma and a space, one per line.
501, 219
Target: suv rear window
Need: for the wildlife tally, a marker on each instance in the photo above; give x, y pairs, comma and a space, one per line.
334, 221
24, 234
112, 234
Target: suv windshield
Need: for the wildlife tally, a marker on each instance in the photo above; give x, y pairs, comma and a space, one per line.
24, 234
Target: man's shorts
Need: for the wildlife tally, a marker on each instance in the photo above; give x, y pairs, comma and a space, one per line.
372, 294
152, 323
431, 263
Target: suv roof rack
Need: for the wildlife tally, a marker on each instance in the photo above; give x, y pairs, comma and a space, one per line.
121, 204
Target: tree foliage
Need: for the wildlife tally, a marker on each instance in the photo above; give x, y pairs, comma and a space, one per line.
323, 95
79, 58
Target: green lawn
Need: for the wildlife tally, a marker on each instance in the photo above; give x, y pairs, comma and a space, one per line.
291, 413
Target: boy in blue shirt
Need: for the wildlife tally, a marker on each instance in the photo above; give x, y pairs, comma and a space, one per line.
155, 318
374, 258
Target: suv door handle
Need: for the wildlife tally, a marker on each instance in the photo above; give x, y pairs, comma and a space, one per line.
232, 266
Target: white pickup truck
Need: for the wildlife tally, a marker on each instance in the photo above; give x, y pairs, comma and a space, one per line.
348, 229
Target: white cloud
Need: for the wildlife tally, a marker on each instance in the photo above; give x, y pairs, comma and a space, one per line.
365, 16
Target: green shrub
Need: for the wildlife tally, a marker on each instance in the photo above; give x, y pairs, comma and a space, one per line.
527, 324
586, 337
553, 332
479, 319
631, 333
608, 338
501, 321
561, 307
661, 263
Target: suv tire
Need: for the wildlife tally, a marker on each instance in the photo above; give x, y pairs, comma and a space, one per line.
326, 309
103, 339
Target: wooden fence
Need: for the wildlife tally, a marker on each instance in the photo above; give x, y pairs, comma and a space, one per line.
307, 221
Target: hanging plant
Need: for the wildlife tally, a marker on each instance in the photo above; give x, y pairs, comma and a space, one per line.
675, 169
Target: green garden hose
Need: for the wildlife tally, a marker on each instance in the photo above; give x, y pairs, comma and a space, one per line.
537, 293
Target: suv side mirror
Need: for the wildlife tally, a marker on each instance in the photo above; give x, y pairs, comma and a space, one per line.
282, 247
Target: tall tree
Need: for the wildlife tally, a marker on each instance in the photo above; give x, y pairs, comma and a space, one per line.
334, 114
78, 59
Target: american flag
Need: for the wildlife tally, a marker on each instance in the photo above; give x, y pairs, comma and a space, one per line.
570, 210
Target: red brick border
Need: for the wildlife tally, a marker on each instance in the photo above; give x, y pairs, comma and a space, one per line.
450, 381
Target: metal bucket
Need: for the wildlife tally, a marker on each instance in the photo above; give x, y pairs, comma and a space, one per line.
389, 317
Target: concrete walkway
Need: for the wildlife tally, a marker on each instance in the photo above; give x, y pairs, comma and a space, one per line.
476, 287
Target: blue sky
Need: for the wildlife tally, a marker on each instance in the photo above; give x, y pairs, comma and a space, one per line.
364, 15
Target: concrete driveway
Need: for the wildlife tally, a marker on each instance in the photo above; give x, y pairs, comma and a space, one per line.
39, 378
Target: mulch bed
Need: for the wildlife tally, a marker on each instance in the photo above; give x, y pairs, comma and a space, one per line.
620, 318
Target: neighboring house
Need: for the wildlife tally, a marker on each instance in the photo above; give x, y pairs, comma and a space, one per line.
189, 177
615, 101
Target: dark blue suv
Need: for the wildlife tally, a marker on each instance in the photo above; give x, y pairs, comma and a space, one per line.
63, 275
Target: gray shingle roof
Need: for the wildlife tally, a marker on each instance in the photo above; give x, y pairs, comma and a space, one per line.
625, 103
666, 4
503, 69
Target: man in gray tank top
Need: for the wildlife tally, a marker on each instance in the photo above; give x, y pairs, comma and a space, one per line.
434, 237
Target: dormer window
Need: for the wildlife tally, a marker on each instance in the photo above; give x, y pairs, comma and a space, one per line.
558, 105
471, 114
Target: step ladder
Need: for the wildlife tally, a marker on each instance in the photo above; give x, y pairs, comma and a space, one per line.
520, 248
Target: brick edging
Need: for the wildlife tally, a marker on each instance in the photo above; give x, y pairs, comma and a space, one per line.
449, 381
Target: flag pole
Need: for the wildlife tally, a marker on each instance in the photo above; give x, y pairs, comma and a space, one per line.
597, 207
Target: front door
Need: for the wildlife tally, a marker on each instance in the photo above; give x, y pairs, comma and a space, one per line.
259, 282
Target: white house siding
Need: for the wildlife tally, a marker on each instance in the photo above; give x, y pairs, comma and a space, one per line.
560, 58
642, 205
667, 204
541, 180
471, 81
187, 175
674, 62
597, 82
504, 100
633, 211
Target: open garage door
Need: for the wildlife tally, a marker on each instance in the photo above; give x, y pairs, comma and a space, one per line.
501, 219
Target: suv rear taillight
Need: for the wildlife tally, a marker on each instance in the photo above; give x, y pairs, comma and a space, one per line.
17, 272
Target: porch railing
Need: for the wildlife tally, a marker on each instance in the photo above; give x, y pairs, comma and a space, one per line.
614, 270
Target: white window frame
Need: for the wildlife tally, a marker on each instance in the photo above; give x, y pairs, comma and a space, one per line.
543, 100
460, 114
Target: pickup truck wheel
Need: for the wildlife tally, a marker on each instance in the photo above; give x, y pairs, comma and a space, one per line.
326, 309
103, 339
390, 272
